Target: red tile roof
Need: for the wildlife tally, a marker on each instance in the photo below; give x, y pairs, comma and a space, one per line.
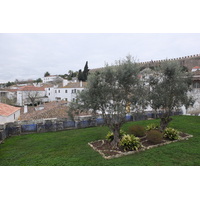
196, 67
31, 88
6, 110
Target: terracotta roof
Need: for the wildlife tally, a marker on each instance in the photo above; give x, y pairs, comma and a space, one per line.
12, 90
51, 76
196, 67
76, 85
31, 88
6, 110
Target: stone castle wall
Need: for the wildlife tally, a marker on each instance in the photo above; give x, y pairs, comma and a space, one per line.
187, 61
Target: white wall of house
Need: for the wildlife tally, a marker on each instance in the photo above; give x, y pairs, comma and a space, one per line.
50, 93
67, 94
22, 96
195, 93
11, 118
49, 78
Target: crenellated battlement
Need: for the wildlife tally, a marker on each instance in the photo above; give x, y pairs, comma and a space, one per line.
170, 59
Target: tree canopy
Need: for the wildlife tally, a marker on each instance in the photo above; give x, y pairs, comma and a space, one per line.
46, 74
169, 86
109, 93
83, 75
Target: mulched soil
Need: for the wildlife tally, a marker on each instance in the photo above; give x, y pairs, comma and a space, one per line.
105, 149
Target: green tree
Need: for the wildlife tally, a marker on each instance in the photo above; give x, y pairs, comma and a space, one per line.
80, 75
109, 92
39, 80
85, 72
46, 74
169, 86
8, 84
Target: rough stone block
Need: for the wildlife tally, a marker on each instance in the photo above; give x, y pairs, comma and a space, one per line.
41, 128
59, 126
29, 128
50, 125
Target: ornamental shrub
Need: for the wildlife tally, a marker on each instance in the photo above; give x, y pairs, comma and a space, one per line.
154, 136
152, 127
137, 130
130, 143
171, 134
110, 135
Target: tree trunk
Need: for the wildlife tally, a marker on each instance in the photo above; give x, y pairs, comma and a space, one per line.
116, 139
164, 121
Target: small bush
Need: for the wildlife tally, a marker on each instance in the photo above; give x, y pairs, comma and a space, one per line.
137, 130
152, 127
171, 134
154, 136
130, 143
110, 135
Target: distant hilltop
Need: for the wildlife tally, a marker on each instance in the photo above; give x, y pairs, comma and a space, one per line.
187, 61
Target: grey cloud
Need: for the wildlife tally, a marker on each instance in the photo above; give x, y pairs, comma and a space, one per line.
24, 56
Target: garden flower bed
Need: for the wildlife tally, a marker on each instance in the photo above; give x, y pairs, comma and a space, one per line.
105, 149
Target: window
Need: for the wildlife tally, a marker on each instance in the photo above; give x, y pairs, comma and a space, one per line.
14, 116
49, 94
55, 91
74, 91
65, 91
65, 99
196, 85
49, 88
58, 91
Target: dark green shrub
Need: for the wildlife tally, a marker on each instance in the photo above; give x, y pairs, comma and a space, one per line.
154, 136
110, 135
171, 134
137, 130
130, 143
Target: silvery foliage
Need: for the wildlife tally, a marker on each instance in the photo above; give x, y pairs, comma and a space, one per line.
169, 85
112, 90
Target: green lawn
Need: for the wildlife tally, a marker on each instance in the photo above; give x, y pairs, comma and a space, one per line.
71, 148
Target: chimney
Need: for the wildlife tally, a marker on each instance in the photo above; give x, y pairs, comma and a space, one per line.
81, 83
25, 109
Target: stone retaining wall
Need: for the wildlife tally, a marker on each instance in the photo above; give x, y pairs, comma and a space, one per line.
48, 125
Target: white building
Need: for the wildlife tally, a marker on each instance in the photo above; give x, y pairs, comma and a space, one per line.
51, 78
8, 113
67, 92
31, 94
194, 69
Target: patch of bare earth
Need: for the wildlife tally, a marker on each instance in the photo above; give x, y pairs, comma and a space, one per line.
105, 149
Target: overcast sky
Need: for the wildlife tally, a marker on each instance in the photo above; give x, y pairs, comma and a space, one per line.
29, 56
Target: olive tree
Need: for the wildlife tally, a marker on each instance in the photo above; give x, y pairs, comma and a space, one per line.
169, 87
110, 91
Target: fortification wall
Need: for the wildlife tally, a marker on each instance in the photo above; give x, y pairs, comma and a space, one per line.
187, 61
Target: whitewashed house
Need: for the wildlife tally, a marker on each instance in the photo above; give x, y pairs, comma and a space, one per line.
31, 95
8, 113
194, 69
51, 78
67, 92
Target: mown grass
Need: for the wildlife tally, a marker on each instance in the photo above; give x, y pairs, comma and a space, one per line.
70, 148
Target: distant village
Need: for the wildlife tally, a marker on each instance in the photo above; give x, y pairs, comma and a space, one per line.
45, 97
49, 96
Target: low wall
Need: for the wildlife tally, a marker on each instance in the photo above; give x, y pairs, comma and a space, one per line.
48, 125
